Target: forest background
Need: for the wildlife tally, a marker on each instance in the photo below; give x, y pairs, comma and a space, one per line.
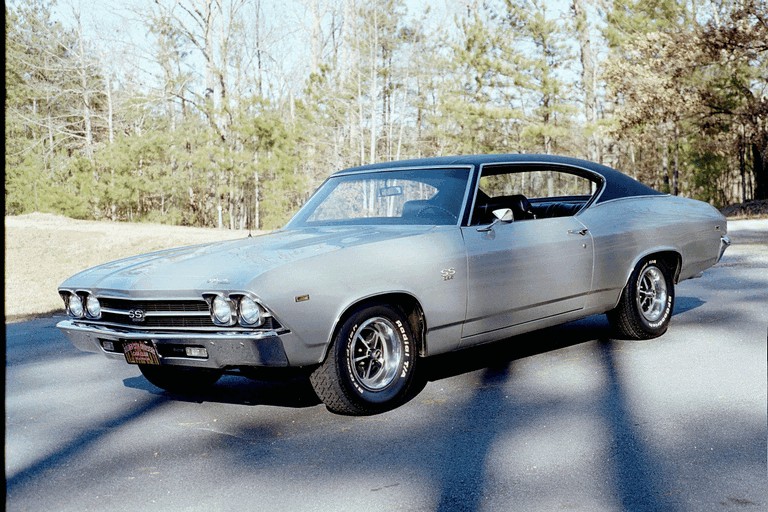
228, 113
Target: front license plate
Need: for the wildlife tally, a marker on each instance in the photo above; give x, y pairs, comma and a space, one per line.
140, 352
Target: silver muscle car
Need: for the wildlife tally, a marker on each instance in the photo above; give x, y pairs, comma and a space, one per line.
390, 263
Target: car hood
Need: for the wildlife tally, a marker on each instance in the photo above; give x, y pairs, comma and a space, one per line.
227, 265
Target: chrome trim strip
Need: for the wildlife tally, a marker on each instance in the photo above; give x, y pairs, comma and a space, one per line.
725, 242
347, 172
120, 329
158, 313
161, 298
142, 335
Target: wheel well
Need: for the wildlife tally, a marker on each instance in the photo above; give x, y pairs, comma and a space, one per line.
410, 307
672, 259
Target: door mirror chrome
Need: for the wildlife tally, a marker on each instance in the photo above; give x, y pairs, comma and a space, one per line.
504, 215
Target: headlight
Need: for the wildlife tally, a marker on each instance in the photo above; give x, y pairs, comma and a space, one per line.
250, 312
93, 306
75, 305
222, 311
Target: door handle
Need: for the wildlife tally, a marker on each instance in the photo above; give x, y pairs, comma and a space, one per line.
582, 231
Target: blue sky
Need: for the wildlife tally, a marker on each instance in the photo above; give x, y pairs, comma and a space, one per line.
114, 27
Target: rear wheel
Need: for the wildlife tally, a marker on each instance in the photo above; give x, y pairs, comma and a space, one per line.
370, 363
180, 379
646, 304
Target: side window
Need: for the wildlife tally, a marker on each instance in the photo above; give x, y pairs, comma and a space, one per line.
531, 192
536, 184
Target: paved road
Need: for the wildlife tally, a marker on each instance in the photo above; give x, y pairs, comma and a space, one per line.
561, 419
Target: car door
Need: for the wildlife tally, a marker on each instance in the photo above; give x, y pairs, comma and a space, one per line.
523, 271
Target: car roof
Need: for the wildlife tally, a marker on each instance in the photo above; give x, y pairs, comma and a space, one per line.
616, 183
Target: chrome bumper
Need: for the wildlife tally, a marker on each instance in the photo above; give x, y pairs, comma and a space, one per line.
223, 349
725, 242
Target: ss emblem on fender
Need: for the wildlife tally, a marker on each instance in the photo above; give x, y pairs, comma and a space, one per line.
448, 273
137, 315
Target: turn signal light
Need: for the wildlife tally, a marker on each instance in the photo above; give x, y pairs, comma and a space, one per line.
199, 352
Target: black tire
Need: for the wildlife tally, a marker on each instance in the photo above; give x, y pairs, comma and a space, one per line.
646, 304
370, 364
180, 379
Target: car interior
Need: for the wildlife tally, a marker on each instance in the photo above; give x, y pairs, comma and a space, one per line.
537, 194
523, 209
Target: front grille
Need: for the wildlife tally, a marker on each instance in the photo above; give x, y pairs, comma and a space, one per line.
167, 306
158, 321
166, 315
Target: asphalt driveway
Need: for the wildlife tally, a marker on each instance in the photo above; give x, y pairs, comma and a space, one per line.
559, 419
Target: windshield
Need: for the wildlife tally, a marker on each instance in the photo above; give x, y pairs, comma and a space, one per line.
416, 196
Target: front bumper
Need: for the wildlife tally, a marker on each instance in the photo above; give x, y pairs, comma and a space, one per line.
223, 349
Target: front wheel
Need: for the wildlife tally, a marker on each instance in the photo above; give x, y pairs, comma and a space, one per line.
646, 304
180, 379
370, 364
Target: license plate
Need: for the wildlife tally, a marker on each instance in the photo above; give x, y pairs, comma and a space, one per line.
140, 352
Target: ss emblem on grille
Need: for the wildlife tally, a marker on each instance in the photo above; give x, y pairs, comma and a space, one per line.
137, 315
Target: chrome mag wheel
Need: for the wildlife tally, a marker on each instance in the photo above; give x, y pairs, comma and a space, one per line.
652, 294
370, 364
375, 353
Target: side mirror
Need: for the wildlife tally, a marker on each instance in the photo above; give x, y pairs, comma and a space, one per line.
504, 215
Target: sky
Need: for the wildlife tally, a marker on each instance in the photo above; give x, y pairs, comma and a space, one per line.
115, 27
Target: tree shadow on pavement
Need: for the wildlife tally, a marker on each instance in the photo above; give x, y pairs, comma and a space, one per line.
517, 347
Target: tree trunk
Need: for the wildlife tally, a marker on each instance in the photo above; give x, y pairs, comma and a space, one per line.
374, 86
259, 51
676, 163
110, 111
316, 37
588, 76
256, 204
665, 168
742, 149
759, 170
86, 97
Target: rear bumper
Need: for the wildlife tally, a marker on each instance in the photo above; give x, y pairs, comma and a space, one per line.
725, 242
223, 349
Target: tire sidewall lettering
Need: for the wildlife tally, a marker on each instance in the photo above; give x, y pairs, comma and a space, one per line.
403, 371
348, 359
670, 297
665, 316
406, 341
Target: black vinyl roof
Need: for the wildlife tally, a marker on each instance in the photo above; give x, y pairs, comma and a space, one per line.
615, 183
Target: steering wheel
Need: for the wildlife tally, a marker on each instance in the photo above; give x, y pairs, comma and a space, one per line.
425, 212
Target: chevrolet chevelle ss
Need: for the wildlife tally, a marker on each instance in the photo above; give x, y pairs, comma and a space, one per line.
390, 263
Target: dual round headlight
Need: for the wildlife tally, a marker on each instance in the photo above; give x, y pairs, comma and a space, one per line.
222, 311
92, 306
82, 305
229, 311
250, 311
75, 306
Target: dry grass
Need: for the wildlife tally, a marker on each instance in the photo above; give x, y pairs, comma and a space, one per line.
42, 250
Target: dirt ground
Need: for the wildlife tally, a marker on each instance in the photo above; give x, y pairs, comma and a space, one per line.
42, 250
